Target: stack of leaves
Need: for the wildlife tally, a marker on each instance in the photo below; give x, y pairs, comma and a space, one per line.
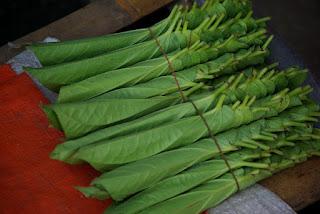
179, 116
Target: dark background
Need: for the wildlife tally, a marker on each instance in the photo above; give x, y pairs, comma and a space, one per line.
295, 22
18, 17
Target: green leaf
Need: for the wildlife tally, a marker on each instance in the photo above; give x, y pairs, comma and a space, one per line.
147, 70
56, 76
66, 51
77, 119
139, 175
178, 184
110, 153
66, 150
156, 87
217, 190
209, 194
93, 192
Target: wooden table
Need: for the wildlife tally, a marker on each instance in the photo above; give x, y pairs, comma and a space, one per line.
298, 186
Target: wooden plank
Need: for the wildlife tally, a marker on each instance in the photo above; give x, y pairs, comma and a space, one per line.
298, 186
97, 18
138, 8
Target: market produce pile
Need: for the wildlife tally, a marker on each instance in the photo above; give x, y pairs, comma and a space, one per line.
179, 116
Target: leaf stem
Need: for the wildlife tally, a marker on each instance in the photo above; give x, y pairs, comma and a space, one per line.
237, 81
220, 102
217, 22
264, 19
193, 89
267, 43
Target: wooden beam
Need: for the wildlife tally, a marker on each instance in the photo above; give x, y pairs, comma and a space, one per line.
138, 8
298, 186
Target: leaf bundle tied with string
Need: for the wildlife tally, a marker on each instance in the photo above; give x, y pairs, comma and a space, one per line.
236, 88
148, 172
111, 153
178, 116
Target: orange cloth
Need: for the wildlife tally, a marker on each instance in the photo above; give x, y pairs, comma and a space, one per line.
30, 182
6, 73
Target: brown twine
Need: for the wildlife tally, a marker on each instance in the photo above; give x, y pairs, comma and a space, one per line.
185, 99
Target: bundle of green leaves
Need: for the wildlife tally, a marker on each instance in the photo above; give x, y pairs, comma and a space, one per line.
179, 116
